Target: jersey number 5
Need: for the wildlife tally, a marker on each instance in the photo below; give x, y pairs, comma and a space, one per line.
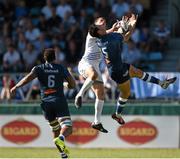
104, 51
51, 81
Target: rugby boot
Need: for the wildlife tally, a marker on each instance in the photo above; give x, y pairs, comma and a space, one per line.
167, 82
78, 102
99, 127
61, 145
118, 118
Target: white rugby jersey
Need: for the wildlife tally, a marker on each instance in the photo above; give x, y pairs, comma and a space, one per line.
92, 51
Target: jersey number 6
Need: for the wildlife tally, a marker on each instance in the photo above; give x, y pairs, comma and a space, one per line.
51, 81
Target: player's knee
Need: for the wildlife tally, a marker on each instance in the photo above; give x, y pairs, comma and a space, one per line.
135, 72
54, 125
66, 122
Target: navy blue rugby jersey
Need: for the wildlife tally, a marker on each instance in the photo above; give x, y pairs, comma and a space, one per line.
51, 77
111, 48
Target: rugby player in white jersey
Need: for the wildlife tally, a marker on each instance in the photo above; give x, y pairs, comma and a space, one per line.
89, 68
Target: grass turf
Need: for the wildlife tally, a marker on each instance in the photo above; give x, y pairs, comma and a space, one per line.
89, 153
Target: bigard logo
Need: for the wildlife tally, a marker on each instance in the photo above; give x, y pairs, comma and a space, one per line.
20, 131
137, 132
82, 132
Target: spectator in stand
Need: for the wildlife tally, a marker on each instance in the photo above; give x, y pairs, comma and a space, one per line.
2, 18
88, 6
21, 43
22, 23
104, 8
135, 37
161, 36
76, 34
21, 10
120, 8
7, 29
8, 9
11, 60
7, 83
54, 21
32, 33
136, 7
29, 57
60, 55
72, 54
68, 20
145, 39
42, 23
63, 8
42, 42
131, 54
83, 21
47, 9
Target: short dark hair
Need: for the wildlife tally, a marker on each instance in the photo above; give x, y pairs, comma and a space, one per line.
49, 55
93, 30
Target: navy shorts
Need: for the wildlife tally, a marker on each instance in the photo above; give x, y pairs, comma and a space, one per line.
57, 107
120, 75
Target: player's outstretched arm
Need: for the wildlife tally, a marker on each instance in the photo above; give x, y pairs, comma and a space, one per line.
131, 22
113, 28
28, 78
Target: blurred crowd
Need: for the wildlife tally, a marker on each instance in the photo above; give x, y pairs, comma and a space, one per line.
29, 26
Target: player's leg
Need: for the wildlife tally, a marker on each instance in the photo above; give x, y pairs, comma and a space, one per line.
98, 89
60, 132
91, 75
135, 72
124, 95
65, 131
53, 123
62, 114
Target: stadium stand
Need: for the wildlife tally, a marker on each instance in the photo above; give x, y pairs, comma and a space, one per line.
27, 27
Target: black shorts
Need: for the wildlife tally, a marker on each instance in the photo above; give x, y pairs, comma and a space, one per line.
120, 75
55, 108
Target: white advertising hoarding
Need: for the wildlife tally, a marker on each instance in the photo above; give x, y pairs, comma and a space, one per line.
138, 132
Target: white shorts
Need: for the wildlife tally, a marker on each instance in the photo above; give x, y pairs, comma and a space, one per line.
84, 65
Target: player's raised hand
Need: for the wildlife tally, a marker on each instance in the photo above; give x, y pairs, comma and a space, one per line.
133, 20
13, 90
115, 26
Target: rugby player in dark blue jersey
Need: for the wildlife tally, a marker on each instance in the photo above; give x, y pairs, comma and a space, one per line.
54, 105
111, 47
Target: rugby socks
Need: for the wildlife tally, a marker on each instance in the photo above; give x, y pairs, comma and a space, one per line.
63, 155
87, 84
98, 110
120, 105
148, 78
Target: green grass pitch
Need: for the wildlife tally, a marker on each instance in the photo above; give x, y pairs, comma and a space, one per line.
89, 153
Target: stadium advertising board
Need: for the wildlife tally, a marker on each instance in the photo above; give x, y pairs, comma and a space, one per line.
82, 132
138, 132
20, 131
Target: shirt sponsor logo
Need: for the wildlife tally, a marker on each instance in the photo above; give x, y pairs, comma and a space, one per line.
20, 131
82, 132
137, 132
51, 71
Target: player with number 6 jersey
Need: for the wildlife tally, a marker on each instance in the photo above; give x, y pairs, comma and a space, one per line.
54, 105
